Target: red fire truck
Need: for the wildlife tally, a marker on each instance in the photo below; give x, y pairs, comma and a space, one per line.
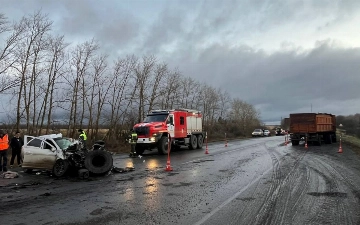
183, 125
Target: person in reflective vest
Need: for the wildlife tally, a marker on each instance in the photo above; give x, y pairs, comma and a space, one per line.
4, 146
82, 137
132, 138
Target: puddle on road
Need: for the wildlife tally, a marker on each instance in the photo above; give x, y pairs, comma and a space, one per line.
203, 160
328, 194
246, 199
172, 174
174, 194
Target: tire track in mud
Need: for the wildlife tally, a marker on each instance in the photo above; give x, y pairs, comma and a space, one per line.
271, 212
331, 203
319, 209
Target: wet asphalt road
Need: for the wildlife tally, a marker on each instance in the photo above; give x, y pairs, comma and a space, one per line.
255, 181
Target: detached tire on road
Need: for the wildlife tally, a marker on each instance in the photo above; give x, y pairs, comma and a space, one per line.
60, 167
98, 162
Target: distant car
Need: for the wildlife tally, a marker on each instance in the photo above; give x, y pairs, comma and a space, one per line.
257, 133
279, 131
267, 133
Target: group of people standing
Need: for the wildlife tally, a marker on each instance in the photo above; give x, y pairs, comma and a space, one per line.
16, 144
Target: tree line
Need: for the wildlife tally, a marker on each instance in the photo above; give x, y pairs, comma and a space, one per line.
350, 124
50, 81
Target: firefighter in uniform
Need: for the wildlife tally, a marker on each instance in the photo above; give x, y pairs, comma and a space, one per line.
132, 139
82, 137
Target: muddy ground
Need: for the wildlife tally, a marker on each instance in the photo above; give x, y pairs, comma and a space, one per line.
256, 181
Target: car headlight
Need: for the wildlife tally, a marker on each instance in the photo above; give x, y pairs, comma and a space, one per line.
152, 139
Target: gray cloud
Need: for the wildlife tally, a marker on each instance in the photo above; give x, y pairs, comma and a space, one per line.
230, 44
283, 82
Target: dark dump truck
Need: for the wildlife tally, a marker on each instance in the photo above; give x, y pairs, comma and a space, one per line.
286, 124
315, 127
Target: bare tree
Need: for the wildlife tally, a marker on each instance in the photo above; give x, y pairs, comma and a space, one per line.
81, 58
143, 74
99, 88
54, 65
7, 58
36, 26
119, 83
170, 94
244, 116
156, 88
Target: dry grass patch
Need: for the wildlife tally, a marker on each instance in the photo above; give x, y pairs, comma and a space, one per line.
351, 141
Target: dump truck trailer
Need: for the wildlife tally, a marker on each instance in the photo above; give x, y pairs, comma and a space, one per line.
286, 124
312, 127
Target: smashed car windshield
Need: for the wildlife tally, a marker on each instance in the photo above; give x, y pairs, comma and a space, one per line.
156, 118
63, 143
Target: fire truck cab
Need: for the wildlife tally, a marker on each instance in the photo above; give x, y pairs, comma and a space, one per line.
184, 126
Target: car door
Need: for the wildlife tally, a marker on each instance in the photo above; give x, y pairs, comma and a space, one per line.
39, 154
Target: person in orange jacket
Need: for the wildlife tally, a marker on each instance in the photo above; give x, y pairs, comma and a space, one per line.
4, 146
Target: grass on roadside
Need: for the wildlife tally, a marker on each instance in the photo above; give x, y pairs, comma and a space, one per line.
351, 141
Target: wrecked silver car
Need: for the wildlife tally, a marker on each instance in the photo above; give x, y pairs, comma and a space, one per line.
60, 155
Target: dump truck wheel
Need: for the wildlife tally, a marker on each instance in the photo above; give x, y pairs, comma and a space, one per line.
334, 138
98, 162
163, 145
318, 142
193, 142
60, 167
200, 142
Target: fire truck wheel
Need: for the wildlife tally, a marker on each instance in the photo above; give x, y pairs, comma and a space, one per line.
163, 145
200, 141
193, 142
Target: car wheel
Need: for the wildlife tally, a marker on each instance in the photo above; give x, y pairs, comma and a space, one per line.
60, 167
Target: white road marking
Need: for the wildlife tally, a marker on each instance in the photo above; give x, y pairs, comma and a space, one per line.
210, 214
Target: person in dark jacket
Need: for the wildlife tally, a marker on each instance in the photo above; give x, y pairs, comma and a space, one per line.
16, 144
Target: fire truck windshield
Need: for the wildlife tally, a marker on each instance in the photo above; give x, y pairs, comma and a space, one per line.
155, 118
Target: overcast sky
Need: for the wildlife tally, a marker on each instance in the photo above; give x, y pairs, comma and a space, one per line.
280, 55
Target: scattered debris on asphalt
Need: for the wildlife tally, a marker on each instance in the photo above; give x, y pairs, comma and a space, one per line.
46, 194
9, 175
122, 170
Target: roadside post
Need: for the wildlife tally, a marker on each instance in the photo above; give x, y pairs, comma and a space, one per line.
226, 143
340, 148
206, 143
285, 140
168, 166
306, 146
